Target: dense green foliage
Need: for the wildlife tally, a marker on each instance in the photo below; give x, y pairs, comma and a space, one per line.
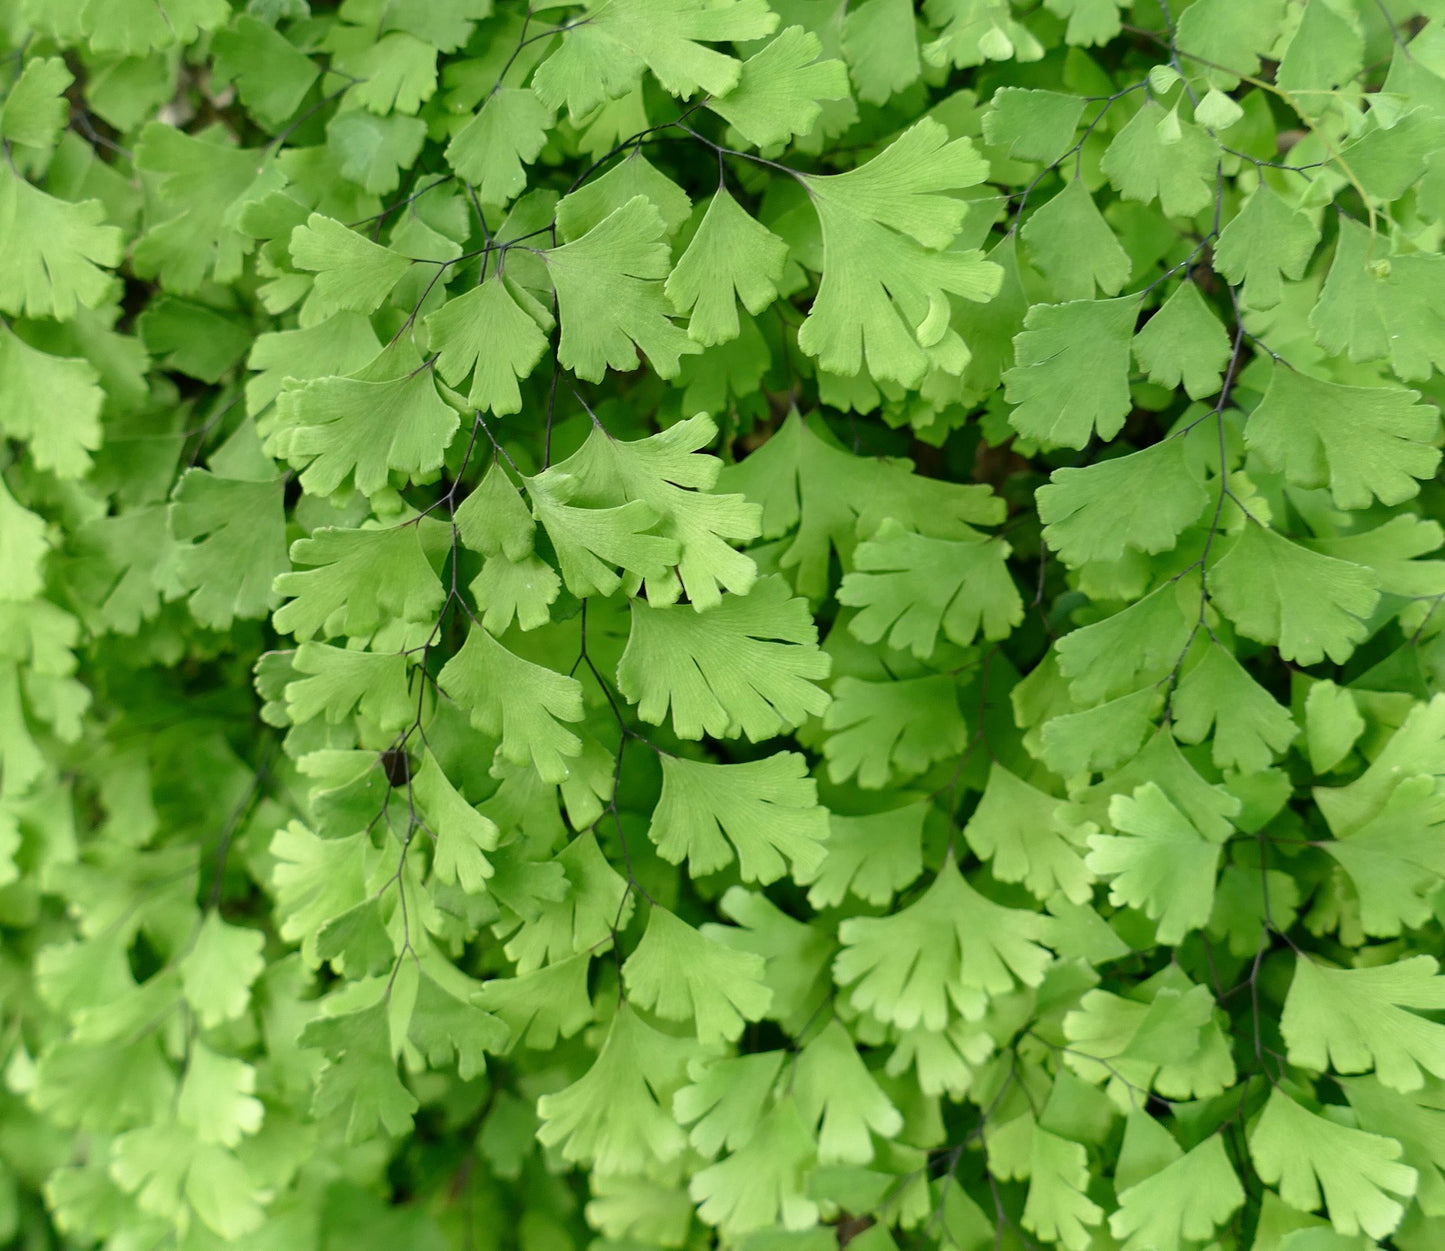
780, 623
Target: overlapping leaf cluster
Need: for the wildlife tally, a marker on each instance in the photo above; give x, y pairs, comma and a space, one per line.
763, 623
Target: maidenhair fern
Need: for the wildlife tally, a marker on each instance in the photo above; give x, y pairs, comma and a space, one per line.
759, 623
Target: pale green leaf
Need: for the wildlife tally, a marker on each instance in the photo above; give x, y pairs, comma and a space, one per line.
780, 89
1071, 379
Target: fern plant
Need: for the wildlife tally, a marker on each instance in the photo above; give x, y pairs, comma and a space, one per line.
761, 623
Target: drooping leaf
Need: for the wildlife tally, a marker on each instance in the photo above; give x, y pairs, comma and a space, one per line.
1016, 827
271, 74
53, 404
725, 1098
761, 1186
352, 273
35, 109
1249, 727
503, 137
672, 474
880, 39
1393, 858
443, 1024
1186, 1199
1035, 125
54, 253
1184, 344
879, 730
1158, 156
837, 1094
604, 56
360, 1077
1355, 1020
218, 970
1073, 246
354, 580
1266, 243
592, 544
799, 478
233, 533
463, 835
872, 856
362, 429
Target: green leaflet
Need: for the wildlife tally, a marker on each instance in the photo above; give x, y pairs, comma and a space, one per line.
240, 526
1071, 376
1184, 344
361, 578
1158, 862
782, 89
1100, 512
1357, 1173
493, 334
602, 329
920, 586
53, 403
1186, 1199
765, 811
34, 112
1249, 727
580, 210
406, 426
1019, 830
683, 975
881, 730
1331, 1018
1035, 125
1265, 244
1329, 621
1158, 157
352, 273
606, 56
1361, 442
902, 976
271, 74
54, 252
493, 148
730, 252
1072, 245
522, 703
836, 1092
801, 479
671, 475
750, 663
887, 273
616, 1109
